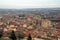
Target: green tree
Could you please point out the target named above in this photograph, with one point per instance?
(21, 36)
(29, 37)
(1, 33)
(12, 35)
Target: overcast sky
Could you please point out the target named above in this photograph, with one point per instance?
(29, 3)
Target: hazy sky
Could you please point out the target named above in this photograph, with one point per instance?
(29, 3)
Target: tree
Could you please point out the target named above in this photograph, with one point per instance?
(1, 33)
(21, 36)
(29, 37)
(12, 35)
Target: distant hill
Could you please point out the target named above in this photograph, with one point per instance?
(43, 11)
(51, 13)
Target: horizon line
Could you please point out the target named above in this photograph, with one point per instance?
(25, 8)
